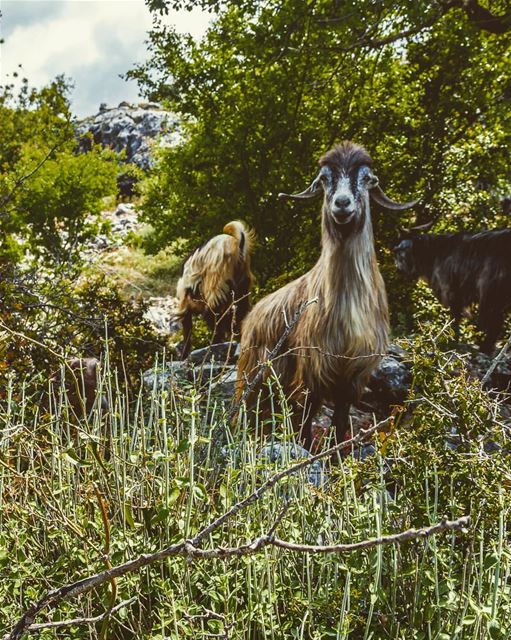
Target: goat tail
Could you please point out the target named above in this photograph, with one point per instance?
(243, 234)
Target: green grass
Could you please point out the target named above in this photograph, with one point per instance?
(166, 464)
(139, 274)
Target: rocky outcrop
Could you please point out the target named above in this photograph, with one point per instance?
(215, 367)
(389, 385)
(134, 129)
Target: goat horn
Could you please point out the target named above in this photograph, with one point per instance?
(424, 227)
(312, 191)
(379, 196)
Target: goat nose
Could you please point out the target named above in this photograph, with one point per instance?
(342, 202)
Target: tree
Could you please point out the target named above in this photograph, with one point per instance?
(270, 87)
(50, 198)
(49, 195)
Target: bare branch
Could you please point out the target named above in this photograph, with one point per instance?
(59, 624)
(495, 362)
(188, 549)
(410, 534)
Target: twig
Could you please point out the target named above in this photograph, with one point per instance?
(188, 549)
(410, 534)
(271, 356)
(77, 621)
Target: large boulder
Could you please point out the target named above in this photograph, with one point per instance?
(135, 129)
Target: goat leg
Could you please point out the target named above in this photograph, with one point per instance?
(187, 334)
(341, 420)
(491, 321)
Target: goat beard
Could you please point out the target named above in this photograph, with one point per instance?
(344, 230)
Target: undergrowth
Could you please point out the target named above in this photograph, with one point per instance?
(165, 463)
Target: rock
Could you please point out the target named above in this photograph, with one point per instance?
(222, 352)
(101, 242)
(389, 384)
(162, 377)
(226, 384)
(284, 453)
(160, 314)
(129, 128)
(396, 351)
(124, 208)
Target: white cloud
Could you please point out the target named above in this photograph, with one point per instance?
(90, 41)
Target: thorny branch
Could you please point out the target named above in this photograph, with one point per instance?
(190, 548)
(271, 356)
(495, 362)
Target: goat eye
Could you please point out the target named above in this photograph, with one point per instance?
(370, 179)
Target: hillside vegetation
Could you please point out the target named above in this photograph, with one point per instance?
(157, 511)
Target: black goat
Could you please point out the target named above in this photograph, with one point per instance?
(462, 269)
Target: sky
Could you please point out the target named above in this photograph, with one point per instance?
(89, 41)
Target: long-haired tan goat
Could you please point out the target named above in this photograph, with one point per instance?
(216, 282)
(336, 343)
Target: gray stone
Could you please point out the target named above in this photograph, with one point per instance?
(222, 352)
(162, 377)
(125, 208)
(130, 128)
(284, 453)
(396, 351)
(160, 314)
(226, 384)
(389, 383)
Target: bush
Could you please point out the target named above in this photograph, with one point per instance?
(50, 315)
(176, 479)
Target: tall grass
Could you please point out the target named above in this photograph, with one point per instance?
(166, 463)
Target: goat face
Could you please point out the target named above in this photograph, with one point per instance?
(345, 195)
(346, 180)
(404, 257)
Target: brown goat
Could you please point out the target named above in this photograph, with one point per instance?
(216, 282)
(336, 343)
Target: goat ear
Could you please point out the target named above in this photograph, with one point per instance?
(312, 191)
(378, 195)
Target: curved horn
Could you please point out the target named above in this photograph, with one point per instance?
(378, 195)
(312, 191)
(424, 227)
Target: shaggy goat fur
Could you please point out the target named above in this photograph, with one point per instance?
(338, 341)
(462, 269)
(216, 282)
